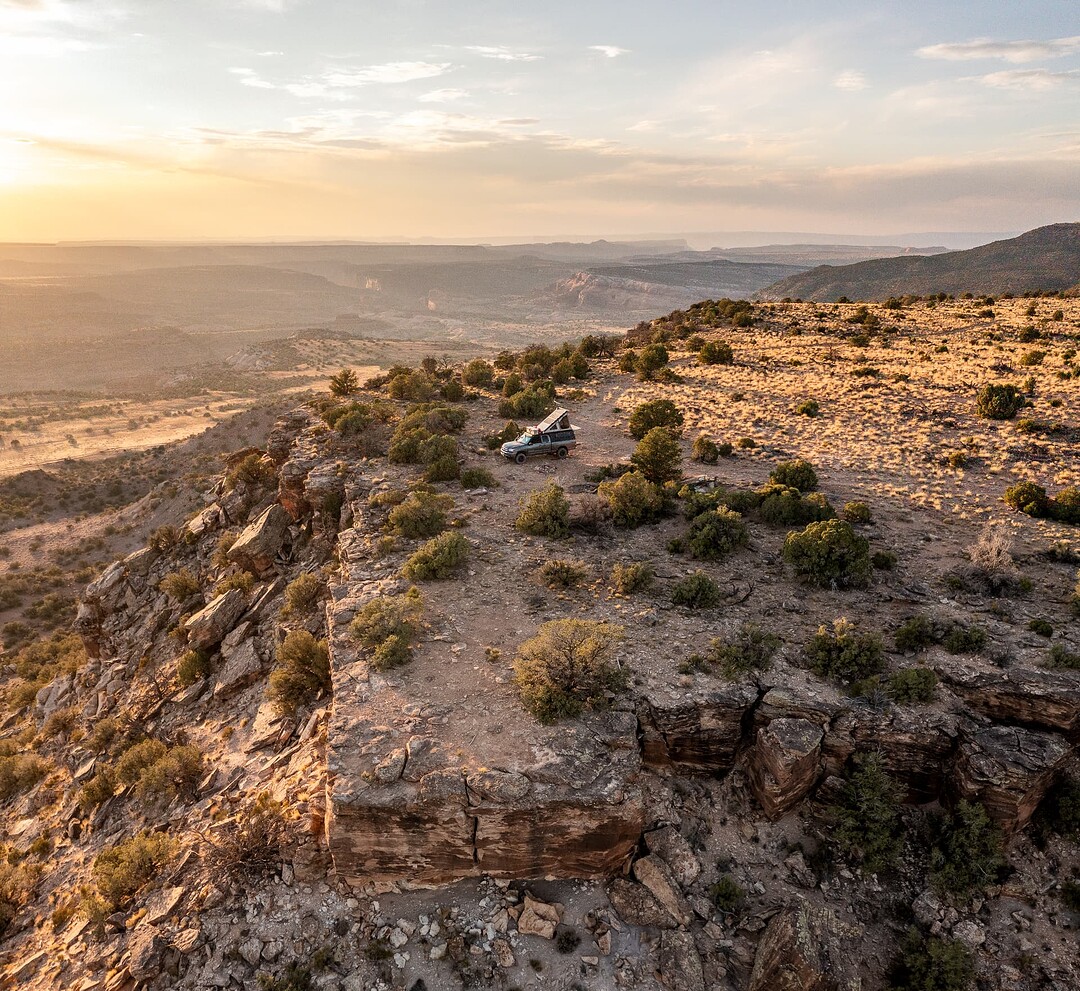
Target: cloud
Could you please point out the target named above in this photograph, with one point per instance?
(502, 54)
(1010, 51)
(269, 54)
(851, 80)
(609, 51)
(248, 77)
(1038, 80)
(387, 72)
(442, 96)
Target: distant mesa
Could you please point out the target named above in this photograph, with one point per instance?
(1047, 258)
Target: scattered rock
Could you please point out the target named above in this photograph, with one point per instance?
(538, 918)
(680, 964)
(655, 875)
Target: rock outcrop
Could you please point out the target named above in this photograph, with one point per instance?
(257, 547)
(1009, 770)
(784, 764)
(806, 948)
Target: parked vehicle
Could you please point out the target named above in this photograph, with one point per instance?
(554, 435)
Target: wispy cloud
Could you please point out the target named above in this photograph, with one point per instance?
(387, 72)
(248, 77)
(1010, 51)
(502, 54)
(609, 51)
(851, 80)
(1038, 80)
(442, 96)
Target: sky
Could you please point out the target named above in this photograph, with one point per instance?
(191, 119)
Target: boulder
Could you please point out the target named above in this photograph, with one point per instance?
(805, 948)
(670, 846)
(680, 963)
(784, 764)
(242, 667)
(659, 879)
(258, 546)
(147, 949)
(211, 624)
(1008, 769)
(635, 905)
(539, 918)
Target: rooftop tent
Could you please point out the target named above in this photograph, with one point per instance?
(558, 419)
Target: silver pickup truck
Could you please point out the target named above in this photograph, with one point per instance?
(554, 435)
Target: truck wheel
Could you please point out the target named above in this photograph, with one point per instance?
(520, 457)
(561, 452)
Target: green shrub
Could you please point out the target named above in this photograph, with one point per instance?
(1029, 498)
(883, 560)
(857, 512)
(512, 385)
(915, 634)
(650, 360)
(563, 574)
(782, 505)
(1062, 659)
(17, 885)
(478, 372)
(967, 852)
(867, 827)
(633, 499)
(725, 450)
(511, 431)
(705, 451)
(388, 626)
(19, 772)
(999, 402)
(626, 579)
(122, 871)
(345, 383)
(1031, 358)
(180, 585)
(727, 896)
(1065, 507)
(422, 514)
(845, 655)
(194, 665)
(444, 469)
(98, 790)
(829, 553)
(655, 413)
(912, 685)
(477, 478)
(960, 639)
(302, 594)
(567, 668)
(696, 591)
(175, 773)
(242, 581)
(930, 963)
(163, 539)
(530, 404)
(716, 533)
(715, 353)
(750, 649)
(809, 407)
(658, 456)
(301, 671)
(439, 558)
(545, 513)
(798, 474)
(253, 469)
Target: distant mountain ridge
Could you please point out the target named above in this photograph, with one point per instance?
(1047, 258)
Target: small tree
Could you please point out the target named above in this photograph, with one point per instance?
(633, 499)
(301, 672)
(930, 963)
(658, 456)
(867, 825)
(696, 591)
(797, 474)
(705, 451)
(716, 533)
(999, 402)
(650, 360)
(567, 668)
(829, 552)
(345, 383)
(478, 372)
(968, 852)
(655, 413)
(716, 353)
(439, 558)
(843, 654)
(545, 513)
